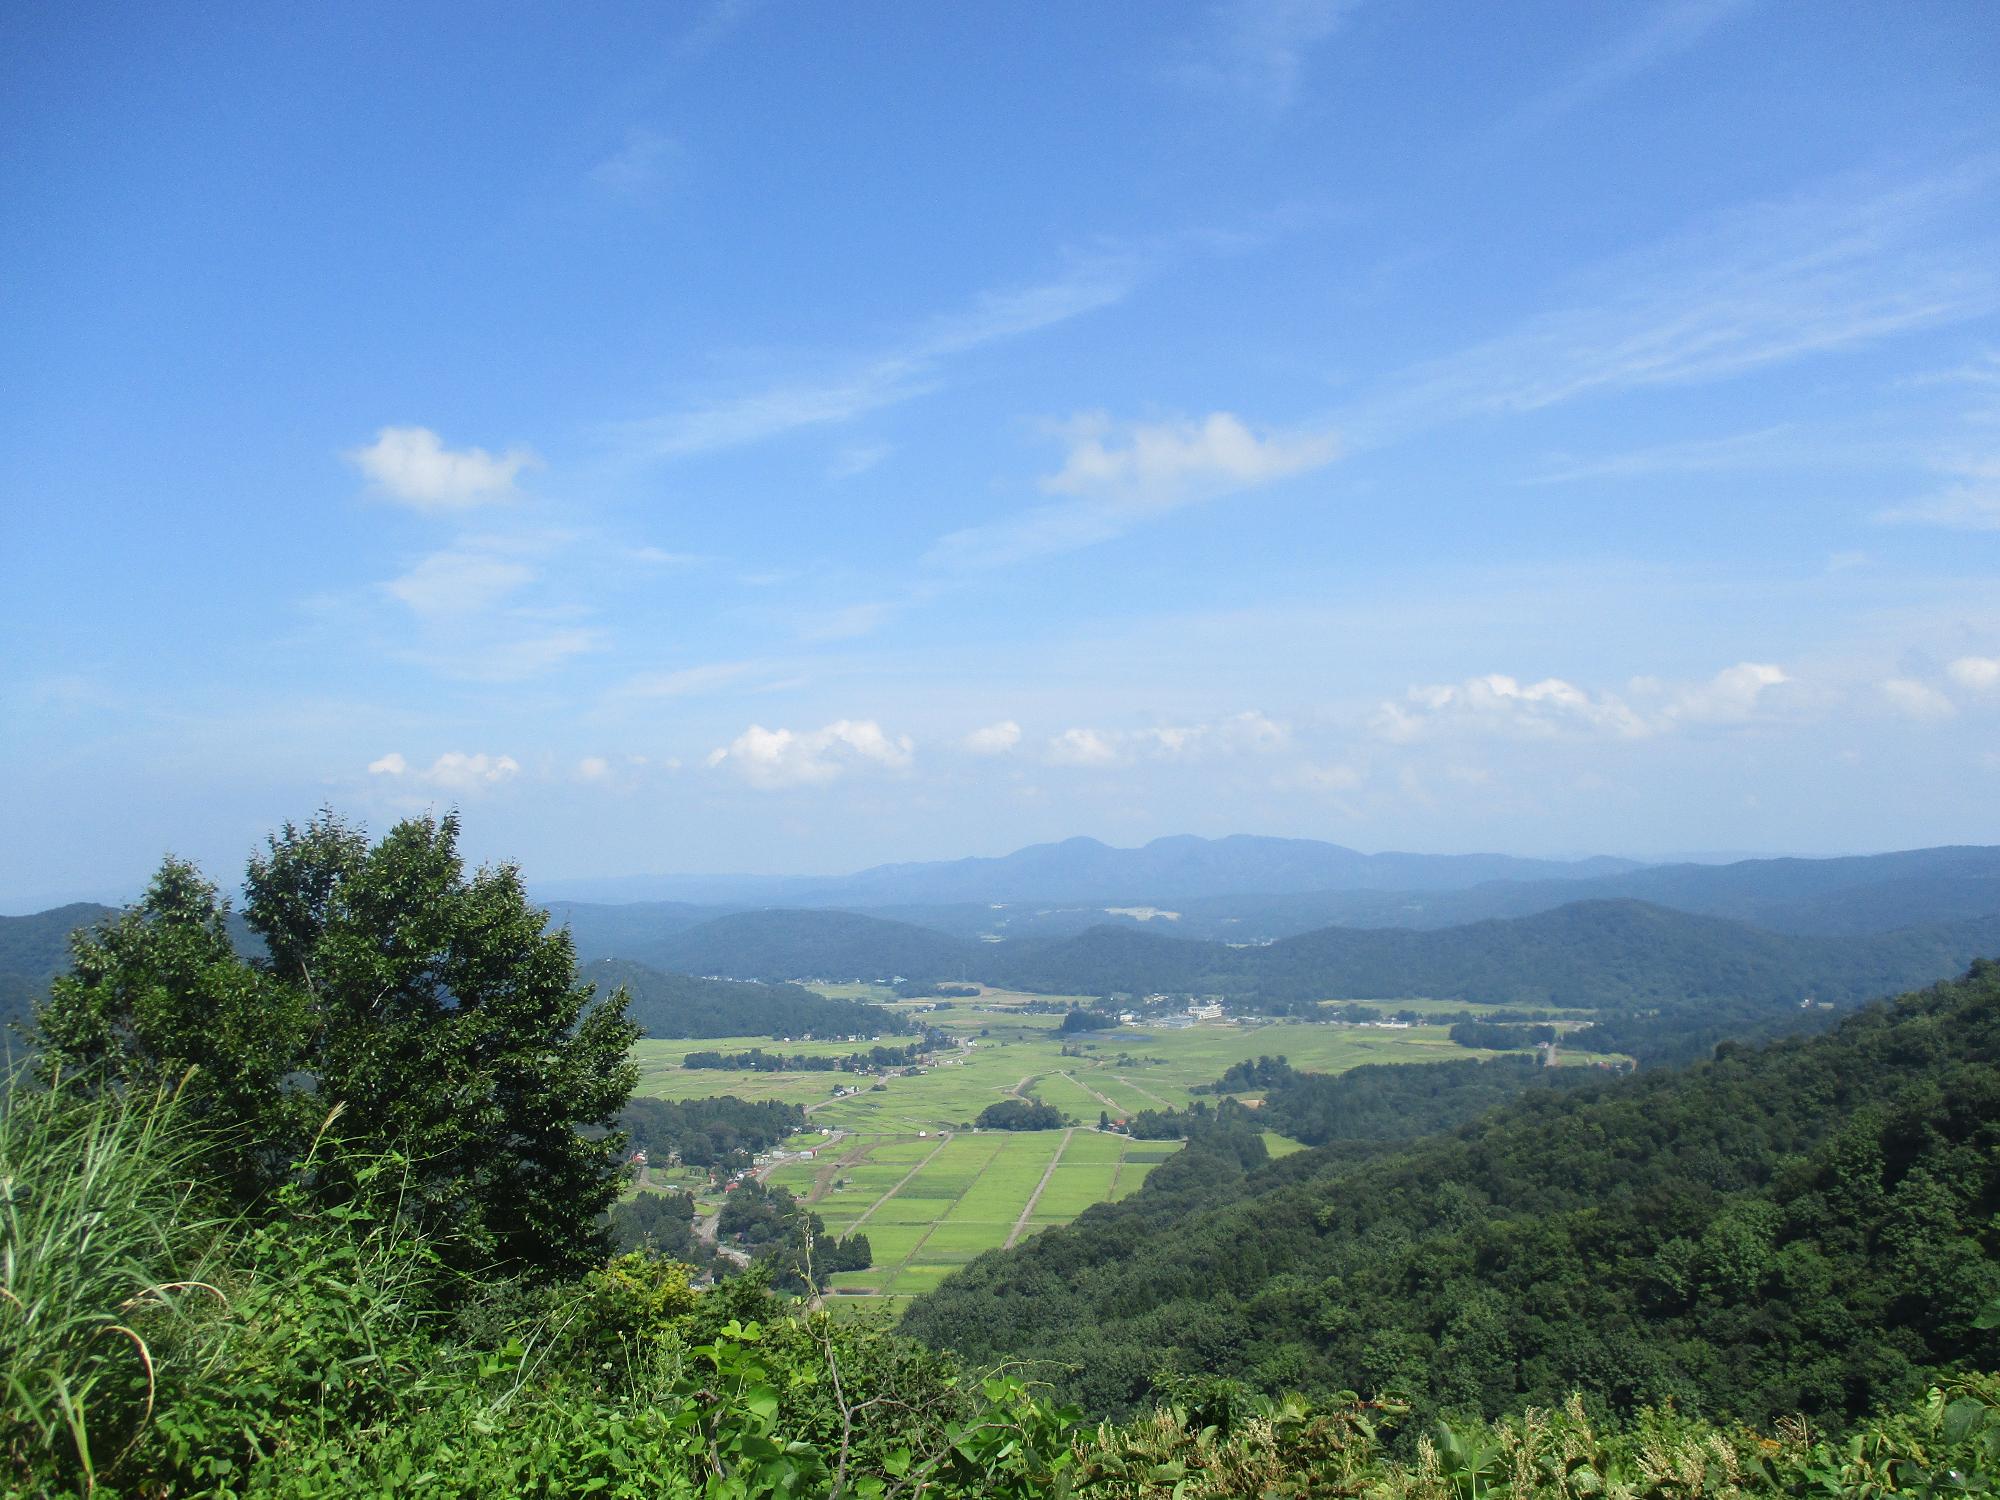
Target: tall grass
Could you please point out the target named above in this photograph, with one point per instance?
(106, 1249)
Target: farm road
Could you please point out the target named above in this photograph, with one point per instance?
(944, 1139)
(1054, 1161)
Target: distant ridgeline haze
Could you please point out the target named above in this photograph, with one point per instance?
(1670, 957)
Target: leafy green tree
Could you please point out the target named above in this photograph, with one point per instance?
(429, 1006)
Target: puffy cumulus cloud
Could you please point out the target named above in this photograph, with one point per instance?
(1917, 700)
(412, 465)
(1082, 747)
(593, 768)
(1155, 465)
(1978, 674)
(1498, 704)
(1118, 476)
(1237, 734)
(783, 757)
(454, 770)
(1504, 706)
(1729, 697)
(993, 739)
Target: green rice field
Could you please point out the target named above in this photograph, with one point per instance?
(896, 1158)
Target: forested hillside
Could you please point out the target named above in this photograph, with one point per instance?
(812, 945)
(681, 1006)
(1802, 1227)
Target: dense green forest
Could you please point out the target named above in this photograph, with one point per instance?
(679, 1006)
(757, 1060)
(722, 1133)
(813, 945)
(1799, 1228)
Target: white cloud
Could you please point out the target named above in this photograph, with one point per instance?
(1853, 263)
(893, 376)
(848, 623)
(1244, 733)
(994, 739)
(1661, 34)
(1119, 475)
(1503, 706)
(1249, 733)
(1257, 49)
(1981, 674)
(1332, 777)
(687, 681)
(1971, 503)
(454, 770)
(511, 659)
(456, 582)
(1730, 697)
(1082, 747)
(412, 464)
(1917, 700)
(856, 459)
(593, 768)
(1153, 466)
(638, 168)
(783, 757)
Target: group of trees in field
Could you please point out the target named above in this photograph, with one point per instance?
(719, 1134)
(757, 1060)
(1020, 1114)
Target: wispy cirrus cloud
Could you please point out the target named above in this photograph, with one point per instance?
(891, 376)
(1256, 51)
(1661, 34)
(641, 167)
(1968, 501)
(1855, 262)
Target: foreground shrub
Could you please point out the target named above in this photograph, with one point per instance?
(107, 1277)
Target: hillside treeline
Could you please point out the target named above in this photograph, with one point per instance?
(679, 1006)
(1800, 1228)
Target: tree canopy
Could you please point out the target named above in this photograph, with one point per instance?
(419, 1009)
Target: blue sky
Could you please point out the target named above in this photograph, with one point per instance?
(778, 437)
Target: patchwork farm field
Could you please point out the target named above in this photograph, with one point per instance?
(930, 1205)
(900, 1162)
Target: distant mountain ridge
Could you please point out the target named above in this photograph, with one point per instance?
(1086, 869)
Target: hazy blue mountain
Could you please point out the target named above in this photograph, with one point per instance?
(1853, 895)
(601, 930)
(1085, 869)
(33, 950)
